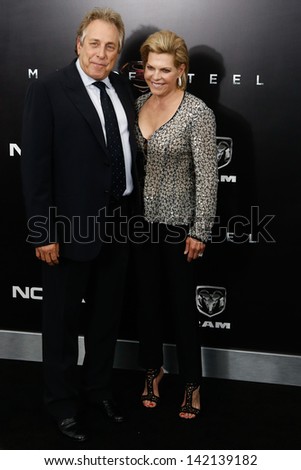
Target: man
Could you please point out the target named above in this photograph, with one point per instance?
(76, 218)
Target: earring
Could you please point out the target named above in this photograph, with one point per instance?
(179, 82)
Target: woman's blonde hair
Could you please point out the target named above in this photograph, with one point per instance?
(167, 42)
(104, 14)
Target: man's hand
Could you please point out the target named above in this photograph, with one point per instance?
(48, 253)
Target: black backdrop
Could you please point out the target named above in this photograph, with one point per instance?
(245, 63)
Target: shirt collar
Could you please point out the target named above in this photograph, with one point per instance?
(87, 80)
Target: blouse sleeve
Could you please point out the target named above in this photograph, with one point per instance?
(204, 153)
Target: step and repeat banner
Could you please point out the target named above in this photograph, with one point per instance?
(245, 64)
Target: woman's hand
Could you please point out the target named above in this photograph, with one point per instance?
(194, 249)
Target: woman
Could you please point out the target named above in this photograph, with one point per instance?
(176, 137)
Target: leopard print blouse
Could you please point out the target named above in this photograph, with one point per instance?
(180, 168)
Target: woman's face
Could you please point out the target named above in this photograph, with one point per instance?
(160, 73)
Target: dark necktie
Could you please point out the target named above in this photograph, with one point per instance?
(114, 144)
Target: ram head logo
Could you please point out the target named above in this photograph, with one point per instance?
(210, 300)
(224, 151)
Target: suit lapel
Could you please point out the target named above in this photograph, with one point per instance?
(78, 94)
(124, 97)
(120, 90)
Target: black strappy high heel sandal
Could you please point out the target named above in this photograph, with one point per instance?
(188, 408)
(150, 376)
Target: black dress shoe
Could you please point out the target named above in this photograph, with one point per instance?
(111, 411)
(71, 428)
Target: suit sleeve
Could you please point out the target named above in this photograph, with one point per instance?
(36, 163)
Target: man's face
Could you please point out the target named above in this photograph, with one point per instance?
(99, 50)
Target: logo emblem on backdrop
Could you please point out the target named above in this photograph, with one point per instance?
(134, 70)
(210, 300)
(224, 151)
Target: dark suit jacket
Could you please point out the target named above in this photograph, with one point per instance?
(66, 168)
